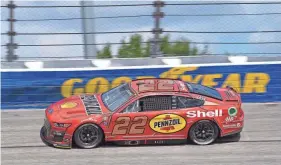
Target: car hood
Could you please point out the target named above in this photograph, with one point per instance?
(78, 106)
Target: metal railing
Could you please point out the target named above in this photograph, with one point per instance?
(156, 30)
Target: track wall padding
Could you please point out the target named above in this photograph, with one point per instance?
(38, 89)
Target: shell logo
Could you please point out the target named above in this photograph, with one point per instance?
(69, 105)
(167, 123)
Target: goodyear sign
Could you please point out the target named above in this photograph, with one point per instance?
(38, 89)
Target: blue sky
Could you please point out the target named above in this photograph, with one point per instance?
(225, 23)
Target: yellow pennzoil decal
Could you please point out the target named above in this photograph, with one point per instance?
(69, 105)
(167, 123)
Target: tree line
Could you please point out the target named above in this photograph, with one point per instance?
(137, 48)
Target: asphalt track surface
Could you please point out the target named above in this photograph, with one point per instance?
(260, 144)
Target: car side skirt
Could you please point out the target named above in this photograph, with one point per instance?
(151, 142)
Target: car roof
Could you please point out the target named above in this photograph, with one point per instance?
(158, 85)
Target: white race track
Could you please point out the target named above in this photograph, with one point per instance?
(260, 144)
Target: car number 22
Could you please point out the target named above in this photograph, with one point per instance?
(123, 126)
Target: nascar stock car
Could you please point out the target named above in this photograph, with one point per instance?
(146, 111)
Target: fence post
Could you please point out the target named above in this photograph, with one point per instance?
(157, 30)
(11, 46)
(88, 26)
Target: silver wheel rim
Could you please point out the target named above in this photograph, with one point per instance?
(204, 132)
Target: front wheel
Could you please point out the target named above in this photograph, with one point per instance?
(203, 132)
(88, 136)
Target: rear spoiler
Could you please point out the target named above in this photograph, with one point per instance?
(230, 88)
(232, 94)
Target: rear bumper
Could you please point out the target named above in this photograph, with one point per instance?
(233, 132)
(50, 142)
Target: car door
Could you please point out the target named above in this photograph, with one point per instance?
(150, 117)
(129, 123)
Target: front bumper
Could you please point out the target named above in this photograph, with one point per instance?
(51, 143)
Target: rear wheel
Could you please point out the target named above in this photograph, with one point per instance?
(203, 132)
(88, 136)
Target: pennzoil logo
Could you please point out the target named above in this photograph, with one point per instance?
(69, 105)
(167, 123)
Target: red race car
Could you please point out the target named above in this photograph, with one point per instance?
(147, 111)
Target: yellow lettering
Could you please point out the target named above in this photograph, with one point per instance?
(256, 82)
(188, 78)
(67, 87)
(208, 80)
(176, 72)
(116, 82)
(97, 85)
(234, 81)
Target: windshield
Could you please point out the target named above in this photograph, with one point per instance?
(203, 90)
(115, 97)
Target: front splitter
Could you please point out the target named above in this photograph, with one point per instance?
(50, 143)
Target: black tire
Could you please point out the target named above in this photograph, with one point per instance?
(88, 136)
(203, 132)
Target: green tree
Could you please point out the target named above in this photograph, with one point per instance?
(180, 47)
(105, 52)
(205, 50)
(194, 51)
(123, 50)
(165, 46)
(135, 48)
(147, 48)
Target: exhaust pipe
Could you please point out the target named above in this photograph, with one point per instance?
(133, 142)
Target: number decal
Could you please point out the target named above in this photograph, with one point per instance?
(138, 126)
(166, 85)
(122, 125)
(146, 86)
(149, 85)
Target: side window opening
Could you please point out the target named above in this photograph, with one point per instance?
(156, 103)
(151, 103)
(133, 107)
(185, 102)
(163, 102)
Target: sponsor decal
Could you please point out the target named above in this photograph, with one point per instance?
(167, 123)
(209, 103)
(201, 98)
(69, 105)
(182, 86)
(229, 119)
(50, 111)
(236, 125)
(104, 120)
(157, 141)
(89, 119)
(232, 111)
(199, 113)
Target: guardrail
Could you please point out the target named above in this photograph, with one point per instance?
(128, 62)
(27, 88)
